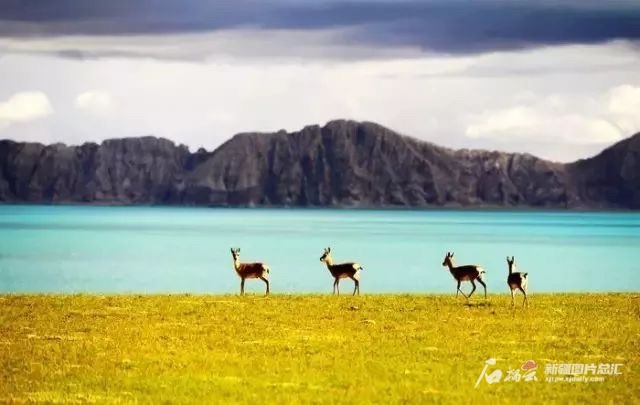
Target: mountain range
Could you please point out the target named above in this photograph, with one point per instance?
(342, 164)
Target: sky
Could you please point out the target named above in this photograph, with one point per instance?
(557, 79)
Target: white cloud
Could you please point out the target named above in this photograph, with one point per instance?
(624, 106)
(224, 45)
(565, 102)
(95, 101)
(500, 122)
(537, 124)
(575, 119)
(23, 107)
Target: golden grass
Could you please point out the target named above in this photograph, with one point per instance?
(310, 348)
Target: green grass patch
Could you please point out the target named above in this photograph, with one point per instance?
(310, 348)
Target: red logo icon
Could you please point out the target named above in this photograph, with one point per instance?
(529, 365)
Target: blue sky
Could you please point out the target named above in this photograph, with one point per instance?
(554, 78)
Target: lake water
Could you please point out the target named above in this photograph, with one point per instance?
(59, 249)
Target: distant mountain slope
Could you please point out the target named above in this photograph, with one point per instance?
(612, 178)
(344, 163)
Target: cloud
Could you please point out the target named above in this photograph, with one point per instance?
(563, 60)
(563, 118)
(532, 124)
(247, 44)
(24, 107)
(624, 106)
(443, 26)
(95, 101)
(433, 97)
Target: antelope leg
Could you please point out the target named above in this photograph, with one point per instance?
(485, 288)
(472, 290)
(356, 286)
(525, 297)
(267, 283)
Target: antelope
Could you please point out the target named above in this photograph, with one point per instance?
(469, 273)
(516, 280)
(249, 270)
(342, 270)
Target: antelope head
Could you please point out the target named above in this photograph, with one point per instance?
(326, 255)
(235, 253)
(448, 260)
(512, 263)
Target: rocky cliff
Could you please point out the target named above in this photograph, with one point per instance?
(344, 163)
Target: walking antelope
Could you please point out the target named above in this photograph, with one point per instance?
(469, 273)
(342, 270)
(249, 270)
(517, 280)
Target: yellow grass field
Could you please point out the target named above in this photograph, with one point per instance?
(311, 348)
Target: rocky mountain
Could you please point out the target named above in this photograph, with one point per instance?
(610, 179)
(344, 163)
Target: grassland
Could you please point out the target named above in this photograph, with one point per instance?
(373, 348)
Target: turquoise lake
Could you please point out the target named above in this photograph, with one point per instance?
(65, 249)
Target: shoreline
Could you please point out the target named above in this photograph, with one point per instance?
(347, 208)
(312, 295)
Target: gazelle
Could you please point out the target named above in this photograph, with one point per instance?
(469, 273)
(249, 270)
(517, 280)
(342, 270)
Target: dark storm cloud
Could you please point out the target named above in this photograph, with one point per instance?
(436, 25)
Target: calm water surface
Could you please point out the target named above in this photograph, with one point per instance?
(155, 250)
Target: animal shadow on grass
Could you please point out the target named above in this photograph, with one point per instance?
(477, 304)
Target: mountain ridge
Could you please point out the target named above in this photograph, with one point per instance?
(343, 163)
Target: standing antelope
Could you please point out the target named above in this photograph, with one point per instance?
(342, 270)
(516, 280)
(249, 270)
(465, 273)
